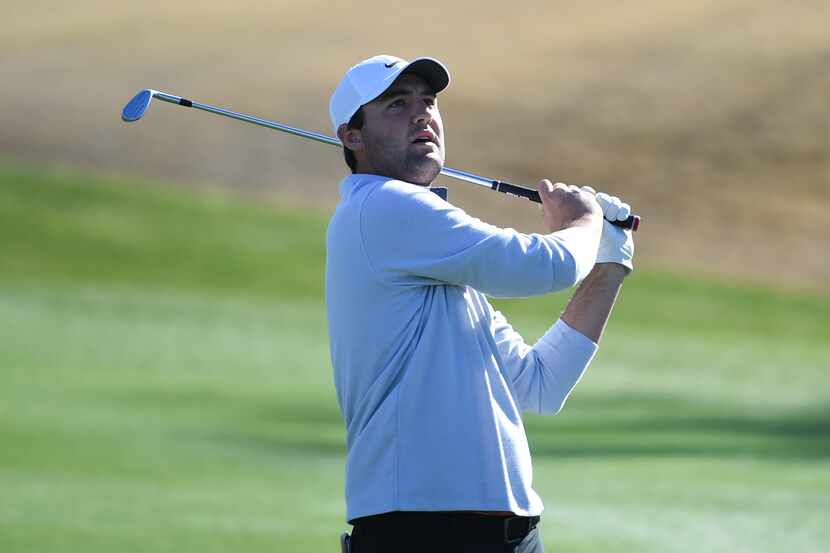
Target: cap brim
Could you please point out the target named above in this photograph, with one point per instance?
(431, 70)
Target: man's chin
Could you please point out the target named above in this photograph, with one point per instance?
(425, 169)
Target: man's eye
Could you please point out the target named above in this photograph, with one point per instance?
(396, 103)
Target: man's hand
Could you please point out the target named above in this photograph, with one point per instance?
(616, 244)
(568, 206)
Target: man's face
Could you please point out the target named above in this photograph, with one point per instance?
(402, 135)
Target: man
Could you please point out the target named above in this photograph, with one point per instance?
(431, 380)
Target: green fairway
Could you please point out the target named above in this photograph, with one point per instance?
(165, 386)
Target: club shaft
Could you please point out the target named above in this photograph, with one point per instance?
(632, 222)
(247, 118)
(455, 173)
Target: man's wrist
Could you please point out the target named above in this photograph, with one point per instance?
(614, 272)
(591, 305)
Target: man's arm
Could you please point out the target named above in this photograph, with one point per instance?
(410, 237)
(591, 304)
(544, 376)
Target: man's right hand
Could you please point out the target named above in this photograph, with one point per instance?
(567, 206)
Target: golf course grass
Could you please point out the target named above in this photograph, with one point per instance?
(165, 386)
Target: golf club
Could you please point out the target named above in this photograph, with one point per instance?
(136, 108)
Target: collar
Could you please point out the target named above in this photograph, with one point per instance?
(352, 182)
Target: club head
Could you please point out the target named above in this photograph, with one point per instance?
(136, 107)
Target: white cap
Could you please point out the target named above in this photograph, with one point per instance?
(370, 78)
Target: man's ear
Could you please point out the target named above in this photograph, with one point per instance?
(351, 138)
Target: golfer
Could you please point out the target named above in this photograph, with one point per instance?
(430, 379)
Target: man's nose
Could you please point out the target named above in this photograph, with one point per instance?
(422, 115)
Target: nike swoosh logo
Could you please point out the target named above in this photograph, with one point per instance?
(390, 65)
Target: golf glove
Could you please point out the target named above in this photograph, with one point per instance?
(616, 244)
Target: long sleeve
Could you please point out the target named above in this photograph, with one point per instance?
(542, 376)
(410, 232)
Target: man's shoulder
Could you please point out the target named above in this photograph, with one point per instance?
(379, 194)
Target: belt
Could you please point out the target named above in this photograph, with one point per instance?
(484, 528)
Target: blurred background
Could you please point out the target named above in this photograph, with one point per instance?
(165, 382)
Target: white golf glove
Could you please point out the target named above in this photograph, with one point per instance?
(616, 244)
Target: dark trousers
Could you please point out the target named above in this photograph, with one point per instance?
(445, 532)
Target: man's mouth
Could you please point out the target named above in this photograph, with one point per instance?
(425, 137)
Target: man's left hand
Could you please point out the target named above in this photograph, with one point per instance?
(616, 244)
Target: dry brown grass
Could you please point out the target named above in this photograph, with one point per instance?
(710, 117)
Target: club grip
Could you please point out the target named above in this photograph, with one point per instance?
(632, 223)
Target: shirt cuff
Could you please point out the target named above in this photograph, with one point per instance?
(583, 246)
(568, 350)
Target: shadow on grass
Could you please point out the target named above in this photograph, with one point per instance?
(653, 426)
(628, 425)
(631, 426)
